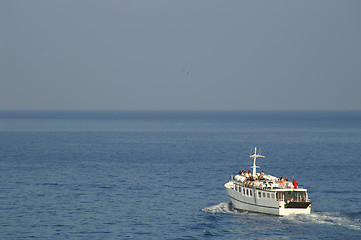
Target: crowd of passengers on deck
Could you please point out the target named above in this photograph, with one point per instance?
(262, 183)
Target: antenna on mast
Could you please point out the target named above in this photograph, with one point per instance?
(255, 156)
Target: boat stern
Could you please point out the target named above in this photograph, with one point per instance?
(294, 208)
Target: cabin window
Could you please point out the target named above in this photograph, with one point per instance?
(250, 192)
(268, 195)
(296, 196)
(279, 196)
(244, 192)
(272, 195)
(259, 194)
(247, 192)
(264, 195)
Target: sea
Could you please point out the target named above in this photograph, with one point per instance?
(161, 174)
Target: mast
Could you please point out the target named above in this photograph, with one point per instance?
(255, 156)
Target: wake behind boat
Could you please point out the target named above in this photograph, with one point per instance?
(259, 192)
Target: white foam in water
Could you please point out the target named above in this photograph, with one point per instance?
(326, 218)
(223, 207)
(335, 219)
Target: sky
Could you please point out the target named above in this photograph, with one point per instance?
(132, 55)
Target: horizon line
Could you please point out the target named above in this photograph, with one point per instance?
(186, 110)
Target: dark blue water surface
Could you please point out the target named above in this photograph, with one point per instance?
(160, 175)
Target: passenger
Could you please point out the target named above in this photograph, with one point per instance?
(261, 175)
(282, 180)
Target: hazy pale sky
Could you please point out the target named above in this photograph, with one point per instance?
(130, 55)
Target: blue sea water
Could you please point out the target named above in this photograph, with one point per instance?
(160, 175)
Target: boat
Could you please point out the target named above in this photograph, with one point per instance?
(264, 193)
